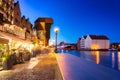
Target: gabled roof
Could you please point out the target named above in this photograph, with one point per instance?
(47, 20)
(84, 37)
(101, 37)
(79, 39)
(17, 5)
(23, 17)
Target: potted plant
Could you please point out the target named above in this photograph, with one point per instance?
(6, 61)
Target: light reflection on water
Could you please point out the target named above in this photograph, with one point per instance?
(119, 60)
(107, 58)
(97, 56)
(113, 60)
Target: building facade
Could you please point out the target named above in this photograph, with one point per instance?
(115, 46)
(7, 11)
(17, 14)
(82, 45)
(16, 32)
(26, 25)
(42, 28)
(96, 42)
(12, 22)
(16, 29)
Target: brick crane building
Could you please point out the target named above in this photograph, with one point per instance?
(42, 27)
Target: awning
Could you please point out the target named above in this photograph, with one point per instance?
(11, 36)
(3, 41)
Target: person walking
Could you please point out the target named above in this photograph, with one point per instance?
(21, 56)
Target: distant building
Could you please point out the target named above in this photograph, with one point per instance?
(78, 44)
(115, 46)
(82, 45)
(96, 42)
(42, 28)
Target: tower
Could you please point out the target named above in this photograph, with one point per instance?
(42, 26)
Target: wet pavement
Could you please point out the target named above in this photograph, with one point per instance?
(41, 67)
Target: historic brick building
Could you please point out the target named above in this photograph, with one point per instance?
(12, 22)
(29, 30)
(16, 32)
(42, 27)
(17, 14)
(7, 11)
(23, 22)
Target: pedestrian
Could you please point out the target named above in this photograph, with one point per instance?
(21, 55)
(14, 57)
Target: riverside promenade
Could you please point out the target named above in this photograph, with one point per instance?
(41, 67)
(75, 68)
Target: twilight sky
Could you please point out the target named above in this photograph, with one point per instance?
(76, 18)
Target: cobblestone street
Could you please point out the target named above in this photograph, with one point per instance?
(41, 67)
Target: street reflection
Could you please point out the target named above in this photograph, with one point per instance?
(97, 57)
(96, 54)
(113, 59)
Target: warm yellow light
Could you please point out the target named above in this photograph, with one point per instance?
(56, 29)
(119, 60)
(25, 45)
(36, 44)
(97, 57)
(17, 45)
(95, 47)
(119, 45)
(4, 59)
(0, 2)
(51, 44)
(10, 41)
(31, 46)
(52, 54)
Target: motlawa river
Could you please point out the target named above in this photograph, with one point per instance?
(109, 59)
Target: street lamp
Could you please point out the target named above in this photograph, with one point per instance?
(56, 32)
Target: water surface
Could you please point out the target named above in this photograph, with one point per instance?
(109, 59)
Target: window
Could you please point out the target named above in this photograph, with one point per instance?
(16, 20)
(0, 3)
(17, 13)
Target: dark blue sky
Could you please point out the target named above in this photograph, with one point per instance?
(76, 18)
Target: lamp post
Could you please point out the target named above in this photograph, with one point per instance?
(56, 33)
